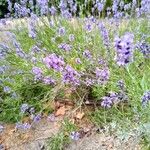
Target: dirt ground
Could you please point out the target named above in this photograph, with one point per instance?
(32, 139)
(37, 137)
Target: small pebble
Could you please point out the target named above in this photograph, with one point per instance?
(1, 147)
(1, 128)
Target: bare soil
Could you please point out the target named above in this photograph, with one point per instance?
(38, 136)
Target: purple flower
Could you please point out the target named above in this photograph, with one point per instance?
(21, 10)
(145, 49)
(3, 21)
(146, 98)
(35, 49)
(88, 27)
(124, 49)
(99, 6)
(48, 80)
(121, 85)
(71, 37)
(4, 50)
(23, 126)
(89, 82)
(75, 135)
(51, 118)
(87, 54)
(92, 19)
(127, 7)
(53, 10)
(134, 3)
(115, 97)
(78, 61)
(32, 26)
(115, 6)
(106, 102)
(55, 62)
(70, 76)
(74, 8)
(61, 31)
(19, 51)
(145, 7)
(98, 72)
(7, 89)
(34, 60)
(122, 96)
(24, 108)
(102, 75)
(66, 14)
(65, 47)
(62, 5)
(105, 35)
(52, 24)
(37, 72)
(9, 5)
(37, 118)
(43, 6)
(101, 61)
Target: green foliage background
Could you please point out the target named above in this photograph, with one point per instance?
(3, 8)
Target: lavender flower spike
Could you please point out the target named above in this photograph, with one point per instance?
(71, 76)
(146, 98)
(107, 102)
(37, 72)
(23, 126)
(37, 118)
(75, 135)
(124, 49)
(24, 107)
(55, 62)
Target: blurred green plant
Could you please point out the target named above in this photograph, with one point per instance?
(3, 8)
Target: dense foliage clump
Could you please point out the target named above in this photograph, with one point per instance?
(100, 55)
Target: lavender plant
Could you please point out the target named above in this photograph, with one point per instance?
(100, 59)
